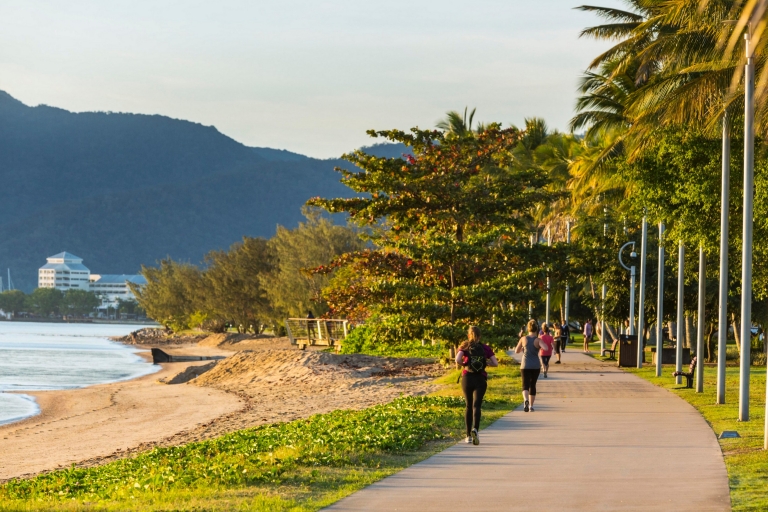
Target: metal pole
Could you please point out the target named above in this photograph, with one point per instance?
(567, 286)
(604, 292)
(632, 300)
(700, 327)
(660, 303)
(549, 244)
(722, 317)
(641, 311)
(746, 254)
(680, 304)
(602, 322)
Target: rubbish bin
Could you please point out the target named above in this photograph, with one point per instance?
(628, 350)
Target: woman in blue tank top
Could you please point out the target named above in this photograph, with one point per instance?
(530, 364)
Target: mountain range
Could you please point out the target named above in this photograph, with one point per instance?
(121, 190)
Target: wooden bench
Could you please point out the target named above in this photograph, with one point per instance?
(689, 375)
(611, 351)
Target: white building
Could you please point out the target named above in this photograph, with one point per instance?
(64, 271)
(112, 287)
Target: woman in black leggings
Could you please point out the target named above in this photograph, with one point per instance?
(474, 357)
(530, 364)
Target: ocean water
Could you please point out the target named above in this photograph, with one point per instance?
(40, 356)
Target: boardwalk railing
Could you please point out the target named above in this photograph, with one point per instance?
(305, 332)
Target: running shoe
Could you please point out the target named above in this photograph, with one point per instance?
(526, 406)
(475, 437)
(468, 440)
(557, 362)
(531, 408)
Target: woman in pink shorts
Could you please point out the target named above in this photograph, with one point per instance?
(546, 354)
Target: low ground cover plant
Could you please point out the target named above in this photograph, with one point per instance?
(299, 465)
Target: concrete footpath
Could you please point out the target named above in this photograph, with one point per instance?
(600, 439)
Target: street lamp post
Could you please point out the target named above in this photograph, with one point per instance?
(603, 294)
(660, 303)
(567, 286)
(631, 285)
(722, 316)
(641, 311)
(746, 258)
(549, 292)
(680, 311)
(700, 326)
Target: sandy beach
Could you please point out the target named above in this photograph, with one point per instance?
(262, 381)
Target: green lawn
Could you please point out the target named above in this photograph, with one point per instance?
(745, 458)
(302, 465)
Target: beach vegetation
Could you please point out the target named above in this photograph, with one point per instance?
(299, 465)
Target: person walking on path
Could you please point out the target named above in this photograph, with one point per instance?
(474, 357)
(559, 341)
(530, 365)
(587, 335)
(546, 353)
(565, 333)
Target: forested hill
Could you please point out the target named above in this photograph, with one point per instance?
(121, 190)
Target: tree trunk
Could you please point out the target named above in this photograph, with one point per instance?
(710, 338)
(652, 336)
(690, 332)
(736, 332)
(610, 331)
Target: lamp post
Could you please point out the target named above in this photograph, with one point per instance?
(549, 292)
(660, 303)
(700, 326)
(602, 296)
(641, 312)
(631, 269)
(680, 311)
(722, 316)
(746, 258)
(567, 286)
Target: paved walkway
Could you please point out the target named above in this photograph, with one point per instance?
(600, 439)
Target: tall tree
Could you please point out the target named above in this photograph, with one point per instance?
(292, 289)
(449, 225)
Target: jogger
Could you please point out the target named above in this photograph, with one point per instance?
(530, 365)
(546, 353)
(474, 357)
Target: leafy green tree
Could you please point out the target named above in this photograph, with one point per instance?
(45, 301)
(450, 229)
(79, 302)
(129, 307)
(232, 283)
(13, 301)
(172, 293)
(291, 288)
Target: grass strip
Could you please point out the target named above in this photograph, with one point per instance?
(299, 465)
(745, 459)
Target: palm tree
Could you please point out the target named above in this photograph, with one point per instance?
(457, 125)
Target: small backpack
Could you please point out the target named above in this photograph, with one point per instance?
(476, 360)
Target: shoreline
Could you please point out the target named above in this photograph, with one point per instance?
(83, 426)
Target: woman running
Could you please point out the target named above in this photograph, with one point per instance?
(474, 357)
(546, 354)
(530, 366)
(559, 345)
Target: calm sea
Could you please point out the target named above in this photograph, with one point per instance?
(38, 356)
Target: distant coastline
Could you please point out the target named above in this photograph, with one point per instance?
(147, 322)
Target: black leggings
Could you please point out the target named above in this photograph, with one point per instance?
(473, 385)
(529, 380)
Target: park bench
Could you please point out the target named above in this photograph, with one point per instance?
(304, 332)
(611, 352)
(689, 375)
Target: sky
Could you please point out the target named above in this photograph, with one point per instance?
(310, 76)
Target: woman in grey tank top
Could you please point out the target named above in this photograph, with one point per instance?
(530, 365)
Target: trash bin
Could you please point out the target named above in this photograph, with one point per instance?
(628, 350)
